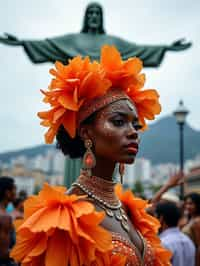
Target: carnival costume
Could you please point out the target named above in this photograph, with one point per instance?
(61, 229)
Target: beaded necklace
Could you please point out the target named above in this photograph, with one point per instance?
(103, 193)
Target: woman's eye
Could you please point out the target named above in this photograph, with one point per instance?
(118, 122)
(137, 126)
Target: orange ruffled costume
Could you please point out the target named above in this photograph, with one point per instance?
(61, 229)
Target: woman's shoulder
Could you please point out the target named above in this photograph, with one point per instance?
(192, 224)
(196, 221)
(195, 227)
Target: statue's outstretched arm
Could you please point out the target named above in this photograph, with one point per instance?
(10, 39)
(39, 51)
(179, 45)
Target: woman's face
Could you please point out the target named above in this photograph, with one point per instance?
(115, 132)
(190, 206)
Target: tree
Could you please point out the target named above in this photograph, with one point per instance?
(138, 188)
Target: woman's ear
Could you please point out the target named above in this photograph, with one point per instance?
(85, 132)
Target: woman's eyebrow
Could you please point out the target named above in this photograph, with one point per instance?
(117, 112)
(124, 114)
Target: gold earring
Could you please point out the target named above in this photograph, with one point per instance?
(89, 160)
(121, 171)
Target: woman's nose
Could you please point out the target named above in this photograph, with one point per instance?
(132, 132)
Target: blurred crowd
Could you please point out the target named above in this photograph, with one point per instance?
(179, 221)
(11, 209)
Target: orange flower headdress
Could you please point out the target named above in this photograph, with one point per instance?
(83, 87)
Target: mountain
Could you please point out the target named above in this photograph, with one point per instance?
(160, 143)
(28, 152)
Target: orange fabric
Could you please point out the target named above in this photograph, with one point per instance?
(81, 80)
(146, 224)
(59, 229)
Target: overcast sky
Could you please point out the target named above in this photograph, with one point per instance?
(142, 22)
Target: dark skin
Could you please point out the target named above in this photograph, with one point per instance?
(10, 196)
(5, 229)
(190, 207)
(115, 127)
(6, 225)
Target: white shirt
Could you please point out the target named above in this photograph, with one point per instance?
(180, 245)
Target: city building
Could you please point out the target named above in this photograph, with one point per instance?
(23, 178)
(193, 180)
(140, 170)
(192, 171)
(161, 172)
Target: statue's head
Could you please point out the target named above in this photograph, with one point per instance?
(93, 19)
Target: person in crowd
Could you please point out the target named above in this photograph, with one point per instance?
(22, 194)
(7, 192)
(97, 110)
(18, 212)
(7, 235)
(192, 228)
(172, 238)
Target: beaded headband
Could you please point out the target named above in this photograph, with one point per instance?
(83, 87)
(97, 103)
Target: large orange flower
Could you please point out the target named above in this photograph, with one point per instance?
(73, 84)
(126, 75)
(145, 223)
(81, 80)
(146, 102)
(60, 229)
(121, 73)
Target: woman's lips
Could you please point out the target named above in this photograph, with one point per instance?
(132, 148)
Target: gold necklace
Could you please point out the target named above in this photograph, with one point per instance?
(102, 192)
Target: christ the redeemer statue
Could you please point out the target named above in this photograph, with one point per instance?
(89, 42)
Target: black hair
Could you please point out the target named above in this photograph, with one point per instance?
(195, 197)
(74, 147)
(170, 213)
(17, 201)
(85, 28)
(6, 183)
(22, 194)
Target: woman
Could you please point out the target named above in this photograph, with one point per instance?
(192, 229)
(96, 112)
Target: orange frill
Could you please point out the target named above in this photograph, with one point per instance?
(146, 224)
(61, 229)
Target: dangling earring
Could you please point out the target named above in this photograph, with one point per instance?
(89, 160)
(121, 171)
